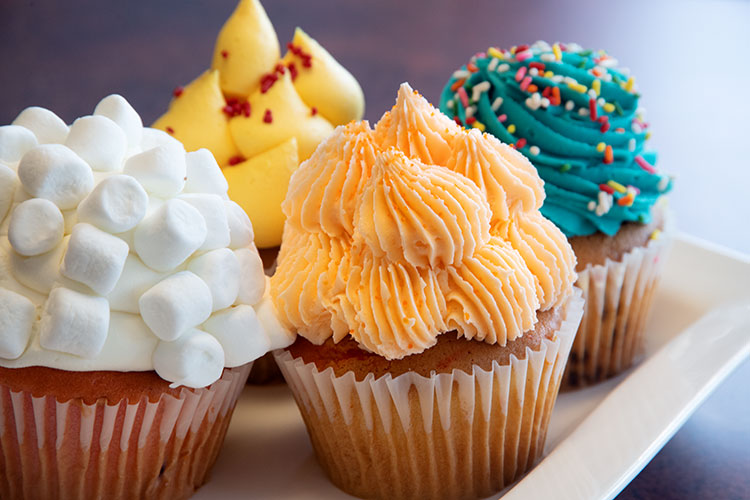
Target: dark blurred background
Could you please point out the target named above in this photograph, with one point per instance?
(690, 59)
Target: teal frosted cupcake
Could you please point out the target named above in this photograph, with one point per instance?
(576, 116)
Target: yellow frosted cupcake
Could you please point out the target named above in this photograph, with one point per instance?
(434, 305)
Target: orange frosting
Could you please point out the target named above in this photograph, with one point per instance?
(418, 227)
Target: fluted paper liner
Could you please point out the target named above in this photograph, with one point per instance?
(450, 435)
(143, 449)
(618, 299)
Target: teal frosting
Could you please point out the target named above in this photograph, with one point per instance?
(559, 136)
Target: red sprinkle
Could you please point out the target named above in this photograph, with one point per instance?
(177, 92)
(472, 67)
(224, 54)
(280, 68)
(538, 65)
(292, 70)
(592, 109)
(502, 118)
(457, 120)
(267, 81)
(645, 165)
(268, 116)
(170, 130)
(520, 143)
(555, 101)
(470, 120)
(234, 160)
(547, 91)
(236, 107)
(604, 127)
(246, 109)
(606, 188)
(313, 111)
(521, 48)
(608, 155)
(306, 61)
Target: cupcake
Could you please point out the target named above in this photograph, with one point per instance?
(575, 115)
(132, 304)
(261, 115)
(434, 305)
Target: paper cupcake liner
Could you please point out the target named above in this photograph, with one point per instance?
(618, 299)
(146, 449)
(450, 435)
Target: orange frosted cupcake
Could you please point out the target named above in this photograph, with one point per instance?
(434, 305)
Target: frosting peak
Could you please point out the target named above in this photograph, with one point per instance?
(397, 235)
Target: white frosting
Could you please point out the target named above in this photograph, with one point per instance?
(119, 251)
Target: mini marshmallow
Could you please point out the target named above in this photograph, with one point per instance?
(56, 173)
(176, 304)
(240, 227)
(168, 236)
(41, 271)
(240, 334)
(36, 227)
(117, 109)
(194, 360)
(8, 181)
(204, 174)
(152, 137)
(94, 258)
(116, 204)
(74, 323)
(278, 335)
(252, 277)
(161, 170)
(17, 314)
(99, 141)
(15, 141)
(212, 209)
(46, 125)
(135, 279)
(220, 269)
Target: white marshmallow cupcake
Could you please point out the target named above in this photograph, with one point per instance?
(129, 289)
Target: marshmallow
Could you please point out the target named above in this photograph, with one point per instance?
(194, 360)
(36, 227)
(135, 279)
(94, 258)
(252, 277)
(240, 227)
(99, 141)
(152, 137)
(41, 271)
(212, 209)
(46, 125)
(56, 173)
(117, 109)
(17, 314)
(168, 236)
(116, 204)
(278, 335)
(7, 189)
(204, 174)
(161, 170)
(240, 334)
(176, 304)
(15, 141)
(74, 323)
(220, 269)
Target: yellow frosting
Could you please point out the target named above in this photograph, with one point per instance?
(252, 102)
(418, 227)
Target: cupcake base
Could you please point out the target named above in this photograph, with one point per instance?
(457, 434)
(618, 287)
(158, 446)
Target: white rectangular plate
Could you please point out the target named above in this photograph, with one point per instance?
(599, 438)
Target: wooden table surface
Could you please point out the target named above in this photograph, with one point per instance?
(690, 59)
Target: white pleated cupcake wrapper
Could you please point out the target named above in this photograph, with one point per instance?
(162, 449)
(450, 435)
(618, 299)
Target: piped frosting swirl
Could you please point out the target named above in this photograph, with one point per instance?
(415, 228)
